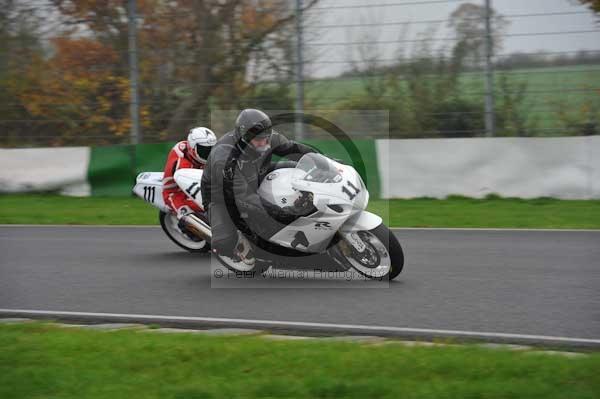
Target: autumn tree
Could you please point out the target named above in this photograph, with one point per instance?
(193, 53)
(19, 44)
(76, 93)
(220, 45)
(64, 67)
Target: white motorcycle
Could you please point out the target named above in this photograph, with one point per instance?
(335, 223)
(149, 187)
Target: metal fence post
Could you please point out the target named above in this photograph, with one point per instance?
(299, 73)
(490, 124)
(133, 75)
(135, 135)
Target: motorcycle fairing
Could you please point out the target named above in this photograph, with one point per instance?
(340, 198)
(189, 181)
(361, 221)
(317, 229)
(149, 187)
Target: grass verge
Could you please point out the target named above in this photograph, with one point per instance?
(453, 212)
(42, 360)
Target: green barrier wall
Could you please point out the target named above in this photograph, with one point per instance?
(112, 172)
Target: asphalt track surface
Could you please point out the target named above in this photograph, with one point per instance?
(516, 282)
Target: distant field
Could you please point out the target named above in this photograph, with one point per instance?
(453, 212)
(550, 90)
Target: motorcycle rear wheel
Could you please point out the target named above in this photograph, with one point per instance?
(168, 222)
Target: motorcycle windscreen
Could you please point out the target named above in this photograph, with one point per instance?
(318, 169)
(328, 179)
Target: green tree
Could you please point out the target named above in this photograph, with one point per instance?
(468, 24)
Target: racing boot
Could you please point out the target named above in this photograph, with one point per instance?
(243, 250)
(240, 257)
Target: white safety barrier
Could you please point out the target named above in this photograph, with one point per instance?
(562, 167)
(45, 169)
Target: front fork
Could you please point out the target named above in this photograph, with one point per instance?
(354, 240)
(349, 244)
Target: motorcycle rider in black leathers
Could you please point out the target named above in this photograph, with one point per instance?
(234, 170)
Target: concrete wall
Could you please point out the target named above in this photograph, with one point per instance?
(563, 167)
(45, 169)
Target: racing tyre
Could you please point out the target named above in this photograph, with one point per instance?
(168, 222)
(383, 257)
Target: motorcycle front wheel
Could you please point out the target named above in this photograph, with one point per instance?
(382, 258)
(168, 222)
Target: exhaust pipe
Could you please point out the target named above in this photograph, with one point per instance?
(197, 226)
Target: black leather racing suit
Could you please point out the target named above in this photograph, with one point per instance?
(230, 188)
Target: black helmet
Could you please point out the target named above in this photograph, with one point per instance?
(252, 123)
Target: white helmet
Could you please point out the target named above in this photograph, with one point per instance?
(200, 141)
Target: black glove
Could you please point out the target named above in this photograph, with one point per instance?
(285, 215)
(302, 206)
(304, 203)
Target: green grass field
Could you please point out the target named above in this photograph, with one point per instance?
(453, 212)
(570, 90)
(45, 361)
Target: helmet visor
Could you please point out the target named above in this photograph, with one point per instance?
(203, 151)
(259, 131)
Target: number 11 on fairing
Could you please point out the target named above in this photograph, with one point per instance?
(350, 194)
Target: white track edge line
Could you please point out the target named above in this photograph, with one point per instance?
(276, 323)
(141, 226)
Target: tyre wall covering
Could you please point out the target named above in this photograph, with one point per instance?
(563, 167)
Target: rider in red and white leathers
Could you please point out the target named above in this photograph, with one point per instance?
(191, 153)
